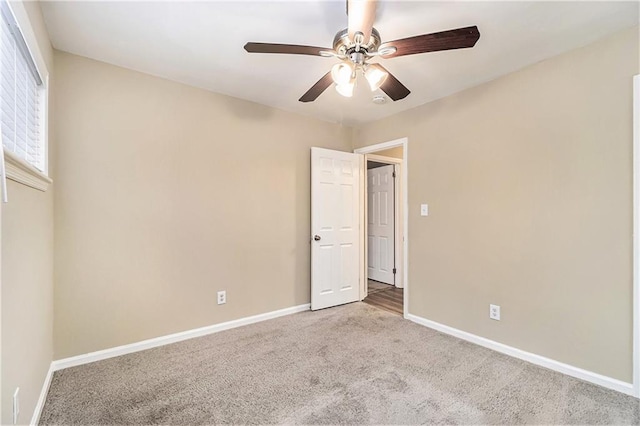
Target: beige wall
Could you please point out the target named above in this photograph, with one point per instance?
(391, 152)
(167, 194)
(529, 183)
(27, 275)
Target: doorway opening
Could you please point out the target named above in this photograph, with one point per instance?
(384, 199)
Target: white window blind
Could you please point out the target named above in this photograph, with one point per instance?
(20, 95)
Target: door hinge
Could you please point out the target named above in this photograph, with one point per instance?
(393, 174)
(394, 270)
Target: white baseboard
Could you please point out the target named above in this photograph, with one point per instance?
(172, 338)
(598, 379)
(43, 397)
(579, 373)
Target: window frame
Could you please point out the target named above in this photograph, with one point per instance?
(18, 169)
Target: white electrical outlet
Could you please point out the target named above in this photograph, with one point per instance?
(16, 405)
(424, 209)
(222, 297)
(494, 312)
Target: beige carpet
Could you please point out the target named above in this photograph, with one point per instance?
(351, 364)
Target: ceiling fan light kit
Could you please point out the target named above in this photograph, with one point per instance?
(360, 42)
(375, 75)
(342, 73)
(344, 76)
(346, 90)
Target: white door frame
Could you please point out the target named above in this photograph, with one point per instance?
(636, 237)
(398, 219)
(403, 201)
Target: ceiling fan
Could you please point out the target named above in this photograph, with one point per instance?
(356, 45)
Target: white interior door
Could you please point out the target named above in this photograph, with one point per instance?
(335, 244)
(380, 224)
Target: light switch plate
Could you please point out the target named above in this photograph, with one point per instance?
(424, 210)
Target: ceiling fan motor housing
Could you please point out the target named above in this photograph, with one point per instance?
(343, 45)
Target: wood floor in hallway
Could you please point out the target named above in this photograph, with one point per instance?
(385, 296)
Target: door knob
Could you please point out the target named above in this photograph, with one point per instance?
(317, 237)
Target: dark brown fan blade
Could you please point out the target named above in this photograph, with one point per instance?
(292, 49)
(317, 89)
(445, 40)
(393, 88)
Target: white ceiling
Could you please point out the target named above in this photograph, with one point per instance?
(201, 44)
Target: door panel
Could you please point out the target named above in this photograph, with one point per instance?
(335, 245)
(381, 226)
